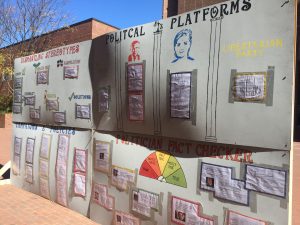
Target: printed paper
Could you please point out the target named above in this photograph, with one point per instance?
(63, 149)
(80, 184)
(122, 218)
(42, 77)
(249, 87)
(45, 146)
(34, 113)
(135, 77)
(121, 177)
(29, 150)
(17, 109)
(59, 117)
(180, 207)
(198, 220)
(52, 105)
(44, 188)
(103, 95)
(17, 96)
(71, 72)
(29, 100)
(80, 160)
(16, 165)
(18, 145)
(180, 95)
(83, 111)
(266, 180)
(136, 107)
(102, 156)
(18, 82)
(239, 219)
(44, 168)
(61, 192)
(143, 201)
(101, 197)
(29, 173)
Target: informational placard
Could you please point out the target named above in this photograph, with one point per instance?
(101, 197)
(35, 114)
(122, 177)
(42, 75)
(102, 157)
(45, 146)
(59, 117)
(30, 145)
(180, 88)
(83, 111)
(122, 218)
(80, 171)
(234, 218)
(29, 173)
(135, 107)
(44, 187)
(219, 180)
(135, 77)
(266, 180)
(71, 72)
(29, 100)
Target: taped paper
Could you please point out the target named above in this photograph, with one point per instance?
(44, 168)
(44, 188)
(52, 104)
(35, 114)
(42, 76)
(136, 107)
(61, 192)
(102, 156)
(234, 218)
(122, 218)
(100, 196)
(28, 173)
(45, 146)
(135, 77)
(29, 150)
(71, 72)
(122, 177)
(80, 160)
(80, 184)
(83, 111)
(17, 145)
(180, 102)
(29, 100)
(59, 117)
(265, 180)
(144, 201)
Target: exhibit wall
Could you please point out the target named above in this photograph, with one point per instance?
(183, 121)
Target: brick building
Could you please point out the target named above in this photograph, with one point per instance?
(81, 31)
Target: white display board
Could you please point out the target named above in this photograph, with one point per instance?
(54, 87)
(221, 74)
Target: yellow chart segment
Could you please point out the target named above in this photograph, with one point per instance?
(162, 160)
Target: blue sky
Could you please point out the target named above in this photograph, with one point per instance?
(119, 13)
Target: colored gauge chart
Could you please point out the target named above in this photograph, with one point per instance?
(163, 167)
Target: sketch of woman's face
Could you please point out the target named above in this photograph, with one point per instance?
(182, 46)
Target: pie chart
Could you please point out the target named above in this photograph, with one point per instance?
(163, 167)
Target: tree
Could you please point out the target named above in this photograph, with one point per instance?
(22, 28)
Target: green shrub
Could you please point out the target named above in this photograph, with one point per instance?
(5, 103)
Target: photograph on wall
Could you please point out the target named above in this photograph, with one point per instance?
(101, 197)
(135, 107)
(135, 80)
(234, 218)
(103, 99)
(122, 218)
(18, 96)
(29, 100)
(59, 117)
(45, 146)
(17, 109)
(35, 114)
(180, 95)
(42, 76)
(122, 177)
(102, 156)
(30, 144)
(71, 72)
(82, 111)
(144, 201)
(266, 180)
(18, 82)
(250, 87)
(218, 179)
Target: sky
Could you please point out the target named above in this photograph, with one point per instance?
(119, 13)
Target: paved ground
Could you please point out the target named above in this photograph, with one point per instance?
(5, 140)
(18, 207)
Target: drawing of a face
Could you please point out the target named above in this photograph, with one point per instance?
(134, 51)
(182, 45)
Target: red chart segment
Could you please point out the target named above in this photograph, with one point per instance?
(147, 171)
(152, 160)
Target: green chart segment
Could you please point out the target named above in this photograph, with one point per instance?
(163, 167)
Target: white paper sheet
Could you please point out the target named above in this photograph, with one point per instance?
(29, 150)
(45, 146)
(80, 160)
(249, 87)
(266, 180)
(181, 207)
(238, 219)
(197, 220)
(136, 107)
(83, 111)
(59, 117)
(122, 218)
(180, 95)
(141, 209)
(148, 198)
(101, 197)
(42, 77)
(44, 168)
(135, 77)
(44, 188)
(16, 165)
(71, 72)
(121, 177)
(63, 149)
(18, 145)
(29, 173)
(102, 156)
(80, 184)
(61, 192)
(103, 95)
